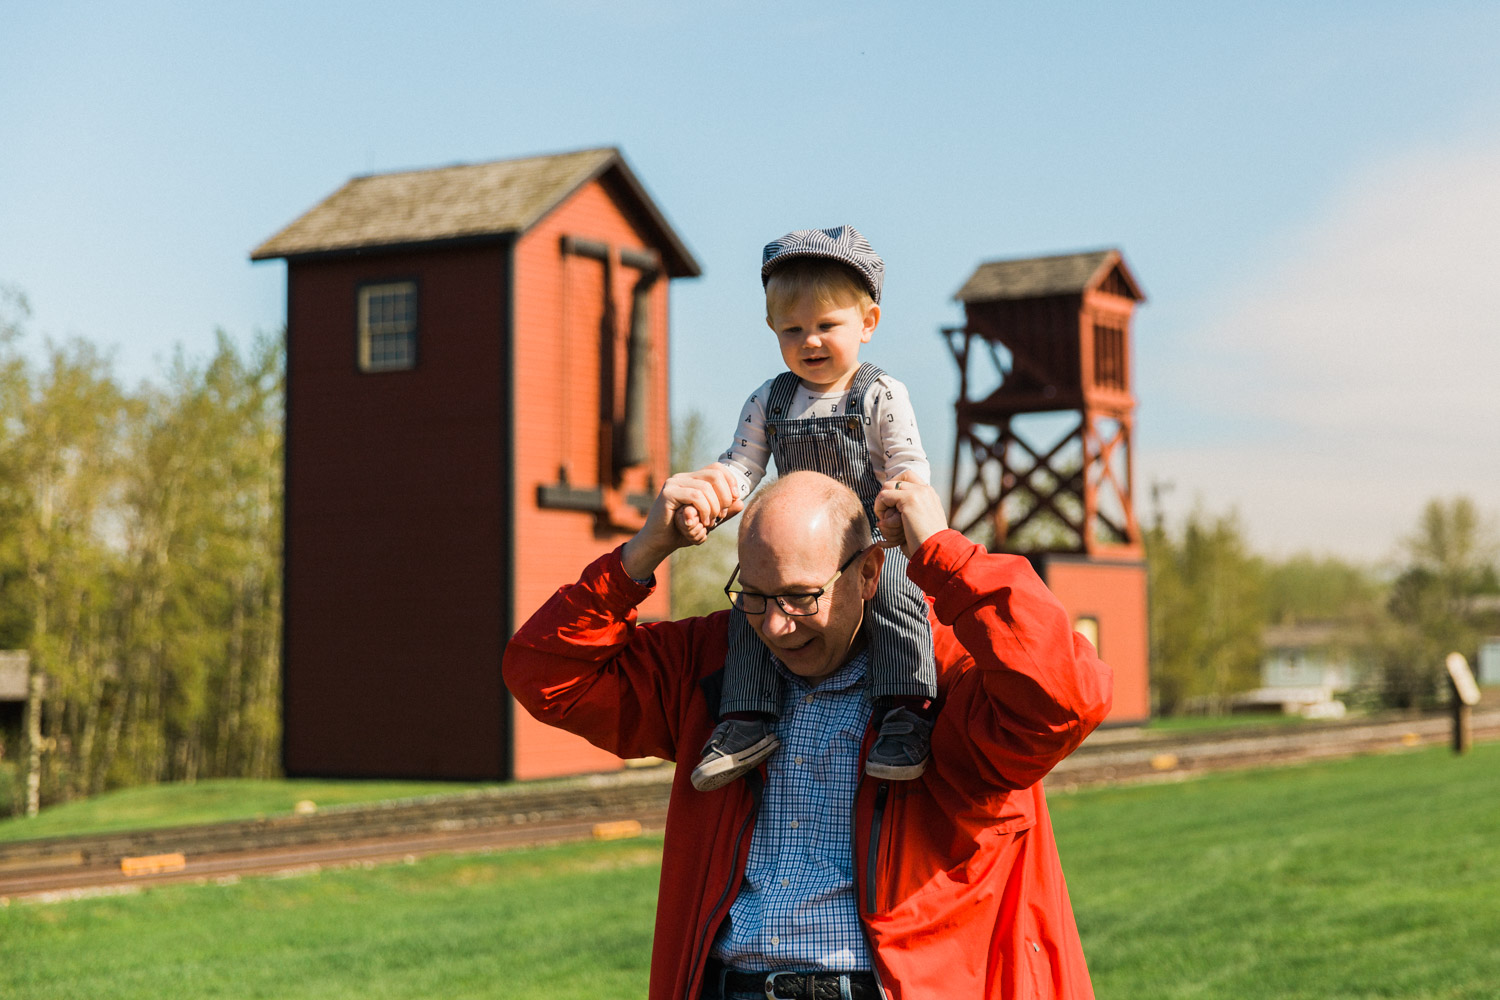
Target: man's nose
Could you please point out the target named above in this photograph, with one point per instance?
(777, 622)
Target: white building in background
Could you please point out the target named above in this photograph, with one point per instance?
(1302, 673)
(1488, 668)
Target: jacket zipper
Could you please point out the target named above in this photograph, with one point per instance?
(872, 857)
(872, 865)
(872, 851)
(699, 958)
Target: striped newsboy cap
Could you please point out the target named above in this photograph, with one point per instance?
(841, 243)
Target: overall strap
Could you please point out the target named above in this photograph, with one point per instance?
(779, 398)
(860, 388)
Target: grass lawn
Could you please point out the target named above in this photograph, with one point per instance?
(1208, 723)
(1374, 877)
(220, 800)
(566, 922)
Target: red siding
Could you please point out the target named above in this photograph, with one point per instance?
(559, 307)
(1115, 595)
(395, 583)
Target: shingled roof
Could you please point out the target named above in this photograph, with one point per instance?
(465, 201)
(1033, 277)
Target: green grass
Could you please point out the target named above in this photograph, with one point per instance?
(1208, 723)
(152, 806)
(1374, 877)
(568, 922)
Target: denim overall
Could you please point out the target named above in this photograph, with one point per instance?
(900, 638)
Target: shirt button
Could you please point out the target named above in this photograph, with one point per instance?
(799, 760)
(786, 881)
(775, 941)
(807, 700)
(794, 824)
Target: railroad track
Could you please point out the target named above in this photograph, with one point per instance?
(510, 816)
(228, 867)
(528, 815)
(1109, 760)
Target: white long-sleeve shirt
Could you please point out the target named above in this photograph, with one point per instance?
(890, 433)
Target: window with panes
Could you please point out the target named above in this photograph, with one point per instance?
(388, 326)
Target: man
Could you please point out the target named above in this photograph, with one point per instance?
(945, 886)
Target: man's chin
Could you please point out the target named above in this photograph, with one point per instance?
(809, 662)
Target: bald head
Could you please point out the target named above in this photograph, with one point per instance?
(795, 535)
(806, 511)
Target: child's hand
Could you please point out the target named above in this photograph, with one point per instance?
(909, 512)
(690, 525)
(709, 491)
(688, 518)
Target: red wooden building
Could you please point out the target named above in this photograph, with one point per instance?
(1042, 456)
(476, 407)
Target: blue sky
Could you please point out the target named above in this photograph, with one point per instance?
(1310, 194)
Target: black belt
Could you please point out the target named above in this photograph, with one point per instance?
(802, 985)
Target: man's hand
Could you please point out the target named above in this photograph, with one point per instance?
(709, 493)
(908, 512)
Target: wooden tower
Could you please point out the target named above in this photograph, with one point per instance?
(1042, 455)
(476, 408)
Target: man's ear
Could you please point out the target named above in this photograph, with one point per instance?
(869, 573)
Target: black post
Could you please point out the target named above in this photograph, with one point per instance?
(1465, 697)
(1463, 731)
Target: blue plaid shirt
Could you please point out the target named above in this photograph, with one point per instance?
(797, 907)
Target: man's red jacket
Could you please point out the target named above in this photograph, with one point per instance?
(957, 875)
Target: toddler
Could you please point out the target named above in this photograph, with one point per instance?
(830, 414)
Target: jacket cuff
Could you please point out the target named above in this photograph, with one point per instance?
(936, 567)
(615, 587)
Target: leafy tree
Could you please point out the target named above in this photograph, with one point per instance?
(1306, 589)
(140, 546)
(14, 391)
(1207, 608)
(65, 421)
(204, 502)
(1453, 543)
(1431, 604)
(699, 572)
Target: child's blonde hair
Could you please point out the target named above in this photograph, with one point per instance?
(828, 282)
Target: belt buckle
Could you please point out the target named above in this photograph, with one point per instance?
(770, 987)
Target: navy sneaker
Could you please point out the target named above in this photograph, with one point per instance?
(735, 747)
(902, 748)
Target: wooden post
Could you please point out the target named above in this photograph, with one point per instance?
(1465, 697)
(1463, 736)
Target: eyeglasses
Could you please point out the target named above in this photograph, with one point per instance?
(795, 605)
